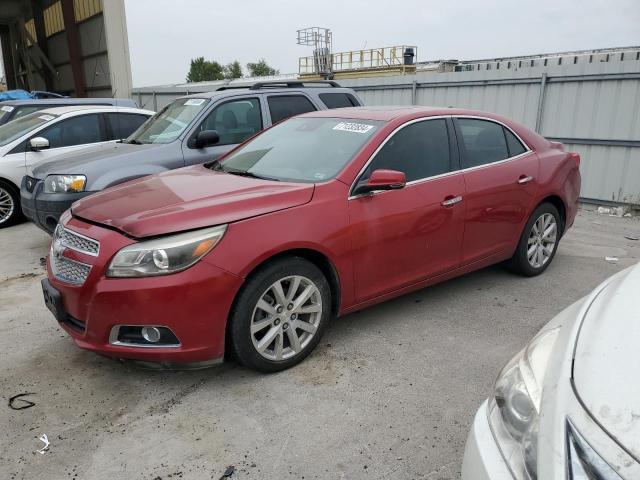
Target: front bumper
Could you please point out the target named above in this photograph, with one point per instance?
(194, 304)
(482, 458)
(45, 209)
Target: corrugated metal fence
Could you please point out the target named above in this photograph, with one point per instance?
(593, 108)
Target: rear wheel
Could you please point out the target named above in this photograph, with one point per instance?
(538, 242)
(10, 212)
(280, 315)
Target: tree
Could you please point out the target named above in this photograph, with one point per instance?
(233, 70)
(261, 69)
(203, 70)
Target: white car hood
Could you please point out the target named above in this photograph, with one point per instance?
(606, 368)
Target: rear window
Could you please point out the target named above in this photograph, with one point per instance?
(515, 146)
(285, 106)
(339, 100)
(483, 142)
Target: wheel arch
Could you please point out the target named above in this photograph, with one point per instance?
(314, 256)
(560, 205)
(10, 182)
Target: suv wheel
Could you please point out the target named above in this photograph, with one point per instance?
(10, 212)
(280, 315)
(538, 242)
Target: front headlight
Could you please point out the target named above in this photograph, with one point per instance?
(64, 183)
(515, 406)
(166, 255)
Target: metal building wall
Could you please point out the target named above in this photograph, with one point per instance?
(593, 107)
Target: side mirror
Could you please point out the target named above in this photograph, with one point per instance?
(382, 180)
(38, 143)
(206, 138)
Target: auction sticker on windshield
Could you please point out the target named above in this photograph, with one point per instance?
(7, 108)
(194, 101)
(353, 127)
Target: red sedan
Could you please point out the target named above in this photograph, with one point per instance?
(321, 215)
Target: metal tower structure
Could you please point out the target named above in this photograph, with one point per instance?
(320, 39)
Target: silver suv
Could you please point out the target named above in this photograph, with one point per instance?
(190, 130)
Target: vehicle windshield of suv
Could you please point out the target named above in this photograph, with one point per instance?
(14, 129)
(169, 123)
(301, 149)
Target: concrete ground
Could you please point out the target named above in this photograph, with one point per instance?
(389, 393)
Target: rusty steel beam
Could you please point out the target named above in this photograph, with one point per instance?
(41, 37)
(73, 44)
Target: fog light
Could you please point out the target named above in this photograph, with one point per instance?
(151, 334)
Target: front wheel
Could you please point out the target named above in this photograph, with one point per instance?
(10, 212)
(538, 242)
(280, 315)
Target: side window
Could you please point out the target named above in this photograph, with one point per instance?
(73, 131)
(420, 150)
(515, 146)
(339, 100)
(235, 121)
(123, 124)
(285, 106)
(483, 142)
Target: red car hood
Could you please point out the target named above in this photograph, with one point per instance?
(186, 199)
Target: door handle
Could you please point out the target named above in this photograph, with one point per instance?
(523, 180)
(450, 201)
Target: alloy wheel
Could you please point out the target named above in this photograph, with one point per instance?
(542, 240)
(286, 318)
(7, 205)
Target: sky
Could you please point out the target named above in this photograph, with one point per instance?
(165, 34)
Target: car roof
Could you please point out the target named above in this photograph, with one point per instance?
(91, 108)
(66, 101)
(389, 113)
(296, 86)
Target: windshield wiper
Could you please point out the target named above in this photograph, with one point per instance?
(245, 173)
(133, 141)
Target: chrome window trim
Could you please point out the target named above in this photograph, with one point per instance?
(115, 331)
(92, 240)
(447, 174)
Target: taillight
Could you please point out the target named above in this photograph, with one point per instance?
(576, 158)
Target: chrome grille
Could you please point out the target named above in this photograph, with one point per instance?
(68, 270)
(77, 242)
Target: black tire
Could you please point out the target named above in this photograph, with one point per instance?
(241, 340)
(13, 193)
(520, 263)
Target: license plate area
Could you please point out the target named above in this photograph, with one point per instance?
(53, 301)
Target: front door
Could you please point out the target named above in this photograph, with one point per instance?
(66, 136)
(501, 179)
(401, 237)
(234, 120)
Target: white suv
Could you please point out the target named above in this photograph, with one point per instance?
(40, 136)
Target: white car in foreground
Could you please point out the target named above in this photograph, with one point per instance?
(568, 405)
(40, 136)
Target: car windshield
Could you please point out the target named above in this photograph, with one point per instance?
(301, 149)
(24, 110)
(15, 129)
(169, 123)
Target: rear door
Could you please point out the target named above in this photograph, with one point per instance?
(235, 120)
(401, 237)
(501, 179)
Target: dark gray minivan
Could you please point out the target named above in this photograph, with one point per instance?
(190, 130)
